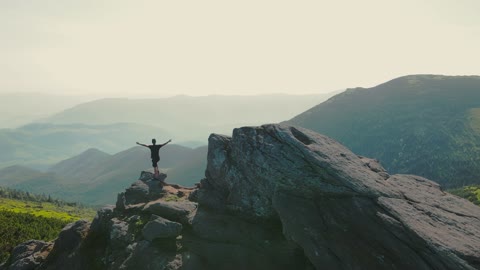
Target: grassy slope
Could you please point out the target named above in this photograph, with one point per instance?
(16, 228)
(65, 213)
(34, 217)
(471, 193)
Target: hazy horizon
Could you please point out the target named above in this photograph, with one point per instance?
(97, 96)
(164, 48)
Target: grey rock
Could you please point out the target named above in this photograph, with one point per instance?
(159, 227)
(231, 255)
(137, 193)
(375, 166)
(103, 216)
(119, 234)
(29, 255)
(133, 219)
(148, 176)
(71, 236)
(344, 211)
(120, 205)
(66, 252)
(143, 255)
(143, 190)
(145, 176)
(180, 211)
(155, 189)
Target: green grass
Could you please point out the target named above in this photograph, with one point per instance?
(172, 198)
(18, 201)
(25, 216)
(471, 193)
(46, 209)
(16, 228)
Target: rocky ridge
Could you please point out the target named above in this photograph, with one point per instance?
(274, 197)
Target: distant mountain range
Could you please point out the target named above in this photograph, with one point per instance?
(112, 125)
(43, 156)
(190, 118)
(41, 145)
(427, 125)
(95, 177)
(18, 109)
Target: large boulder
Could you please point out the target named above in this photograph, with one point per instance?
(67, 248)
(138, 192)
(345, 211)
(102, 218)
(159, 228)
(147, 188)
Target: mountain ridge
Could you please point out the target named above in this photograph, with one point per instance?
(425, 125)
(93, 177)
(191, 118)
(40, 145)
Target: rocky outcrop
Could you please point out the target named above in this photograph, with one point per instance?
(344, 211)
(274, 197)
(68, 248)
(29, 255)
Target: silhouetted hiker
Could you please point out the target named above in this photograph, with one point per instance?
(154, 149)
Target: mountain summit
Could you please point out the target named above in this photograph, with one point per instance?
(274, 197)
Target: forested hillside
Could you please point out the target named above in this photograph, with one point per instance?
(421, 124)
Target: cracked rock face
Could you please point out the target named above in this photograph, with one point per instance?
(345, 211)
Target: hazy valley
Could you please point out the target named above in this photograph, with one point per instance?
(94, 177)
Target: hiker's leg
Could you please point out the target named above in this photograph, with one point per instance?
(155, 168)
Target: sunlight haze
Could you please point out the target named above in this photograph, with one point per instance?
(166, 48)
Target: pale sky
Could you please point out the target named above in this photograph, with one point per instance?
(201, 47)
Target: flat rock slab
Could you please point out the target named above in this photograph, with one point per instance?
(147, 176)
(177, 211)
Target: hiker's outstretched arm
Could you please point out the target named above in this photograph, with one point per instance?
(167, 142)
(142, 144)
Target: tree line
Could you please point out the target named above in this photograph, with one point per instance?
(16, 194)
